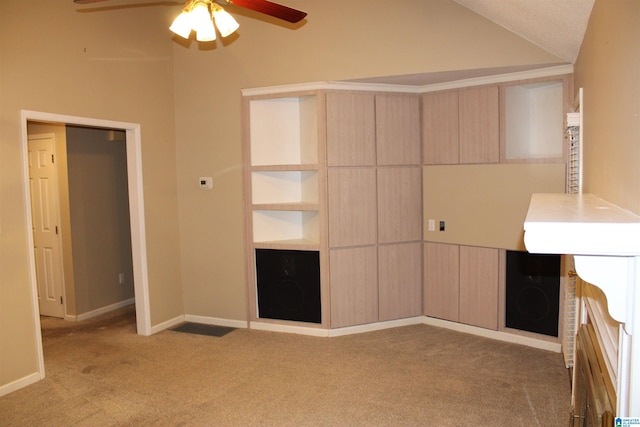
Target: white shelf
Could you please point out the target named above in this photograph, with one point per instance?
(284, 187)
(282, 225)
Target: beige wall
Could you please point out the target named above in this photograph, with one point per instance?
(99, 212)
(102, 65)
(485, 205)
(340, 40)
(608, 68)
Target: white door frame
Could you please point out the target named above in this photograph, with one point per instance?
(136, 213)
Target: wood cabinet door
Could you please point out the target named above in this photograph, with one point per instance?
(441, 280)
(350, 121)
(479, 123)
(398, 129)
(440, 128)
(352, 207)
(399, 204)
(479, 276)
(354, 286)
(400, 280)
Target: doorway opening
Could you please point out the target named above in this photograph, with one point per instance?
(136, 213)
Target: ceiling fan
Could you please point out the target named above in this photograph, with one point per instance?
(199, 15)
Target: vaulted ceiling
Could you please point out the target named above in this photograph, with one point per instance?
(558, 26)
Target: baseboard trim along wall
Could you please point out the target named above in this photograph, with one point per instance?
(370, 327)
(496, 335)
(20, 383)
(99, 311)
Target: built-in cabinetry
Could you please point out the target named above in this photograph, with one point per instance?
(341, 172)
(374, 207)
(461, 126)
(462, 284)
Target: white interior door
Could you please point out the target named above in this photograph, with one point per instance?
(43, 179)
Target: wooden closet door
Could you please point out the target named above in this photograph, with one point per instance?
(479, 124)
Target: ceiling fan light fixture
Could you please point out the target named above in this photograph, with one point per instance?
(202, 23)
(181, 26)
(224, 21)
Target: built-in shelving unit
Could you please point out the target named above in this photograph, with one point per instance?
(284, 183)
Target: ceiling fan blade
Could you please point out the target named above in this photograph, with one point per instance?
(271, 9)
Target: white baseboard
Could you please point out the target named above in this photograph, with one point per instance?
(167, 324)
(100, 311)
(291, 329)
(20, 383)
(216, 321)
(370, 327)
(496, 335)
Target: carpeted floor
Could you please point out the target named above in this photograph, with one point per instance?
(100, 373)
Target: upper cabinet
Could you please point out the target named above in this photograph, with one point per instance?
(397, 129)
(461, 126)
(351, 139)
(479, 121)
(512, 122)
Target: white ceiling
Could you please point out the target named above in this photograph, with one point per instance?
(557, 26)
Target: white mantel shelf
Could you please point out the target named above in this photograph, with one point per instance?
(605, 242)
(580, 224)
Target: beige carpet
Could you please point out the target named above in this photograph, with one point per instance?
(100, 373)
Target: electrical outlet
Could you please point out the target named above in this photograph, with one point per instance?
(121, 278)
(441, 225)
(432, 225)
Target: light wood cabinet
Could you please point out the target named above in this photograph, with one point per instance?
(354, 286)
(440, 128)
(397, 129)
(399, 204)
(479, 284)
(479, 124)
(352, 206)
(461, 126)
(400, 280)
(373, 205)
(351, 139)
(462, 284)
(441, 280)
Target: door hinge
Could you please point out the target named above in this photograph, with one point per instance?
(56, 229)
(60, 300)
(52, 159)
